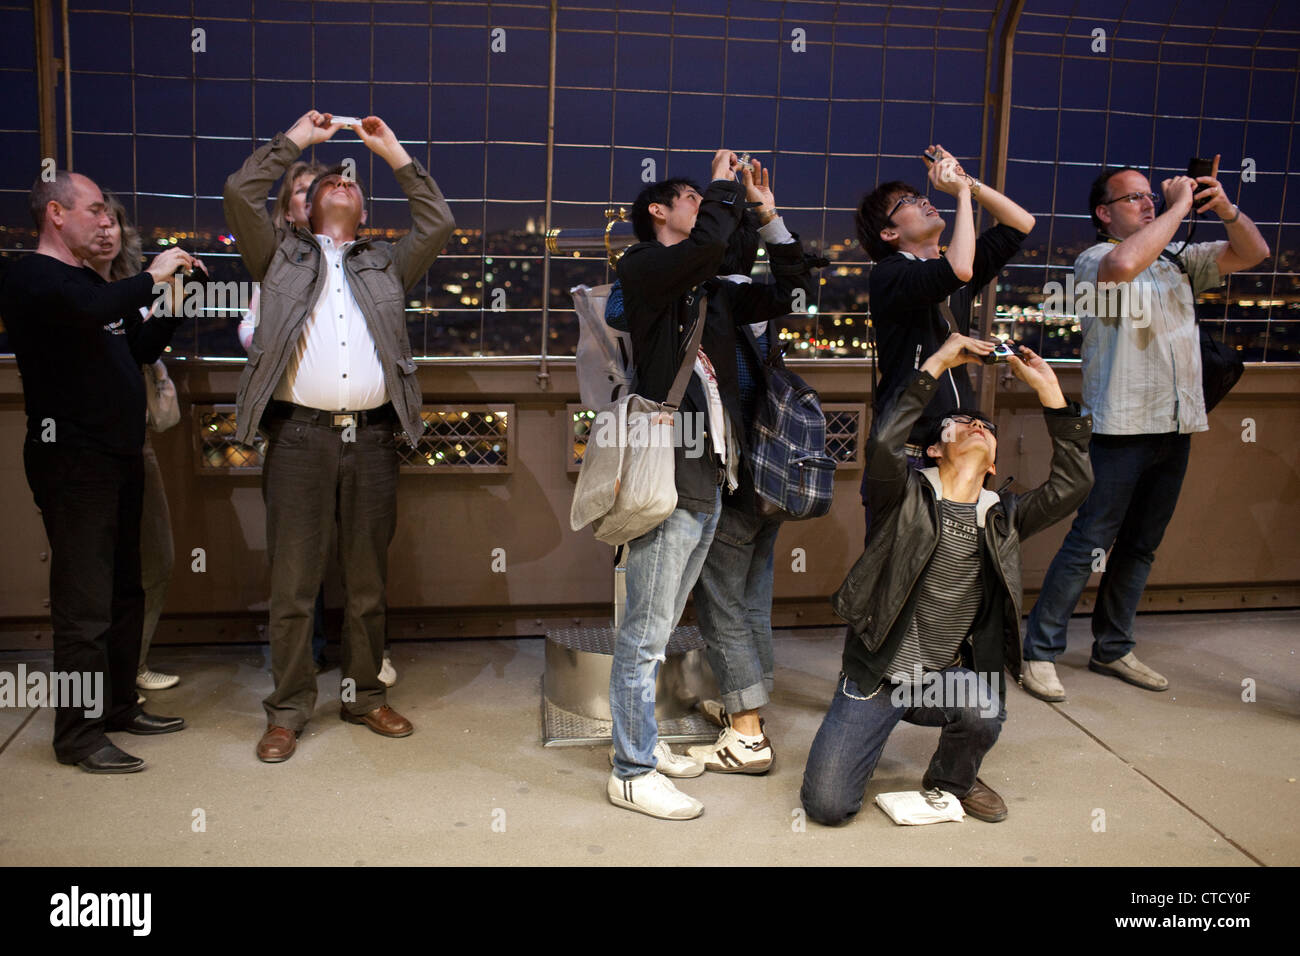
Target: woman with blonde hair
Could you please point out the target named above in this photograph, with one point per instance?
(121, 255)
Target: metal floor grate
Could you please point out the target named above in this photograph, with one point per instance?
(600, 640)
(563, 729)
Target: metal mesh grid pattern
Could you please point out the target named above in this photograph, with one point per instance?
(472, 438)
(560, 728)
(217, 452)
(457, 439)
(665, 80)
(844, 431)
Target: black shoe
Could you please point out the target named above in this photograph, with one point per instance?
(109, 759)
(143, 724)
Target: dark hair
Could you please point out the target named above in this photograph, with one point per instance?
(873, 216)
(337, 170)
(1097, 193)
(935, 434)
(664, 193)
(59, 190)
(298, 169)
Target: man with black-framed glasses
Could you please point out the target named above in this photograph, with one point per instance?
(1142, 383)
(918, 296)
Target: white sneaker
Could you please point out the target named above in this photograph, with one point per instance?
(654, 794)
(670, 764)
(387, 673)
(735, 752)
(153, 680)
(1039, 679)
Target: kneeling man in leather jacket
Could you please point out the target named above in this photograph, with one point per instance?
(933, 604)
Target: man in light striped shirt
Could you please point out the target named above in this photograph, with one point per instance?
(1142, 383)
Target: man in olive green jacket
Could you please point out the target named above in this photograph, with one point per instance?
(330, 381)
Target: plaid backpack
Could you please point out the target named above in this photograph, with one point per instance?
(793, 475)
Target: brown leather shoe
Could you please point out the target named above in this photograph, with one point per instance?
(277, 744)
(383, 720)
(983, 802)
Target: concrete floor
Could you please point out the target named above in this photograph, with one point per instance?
(1194, 776)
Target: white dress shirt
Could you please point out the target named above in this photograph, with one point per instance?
(335, 366)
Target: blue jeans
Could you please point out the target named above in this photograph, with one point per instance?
(853, 733)
(734, 602)
(1137, 479)
(662, 566)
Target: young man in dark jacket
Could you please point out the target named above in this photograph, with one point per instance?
(918, 296)
(664, 277)
(933, 604)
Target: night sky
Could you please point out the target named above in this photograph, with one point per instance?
(834, 96)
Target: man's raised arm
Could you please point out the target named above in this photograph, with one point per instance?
(1124, 262)
(1071, 476)
(244, 196)
(431, 219)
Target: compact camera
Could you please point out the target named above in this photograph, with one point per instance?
(1002, 352)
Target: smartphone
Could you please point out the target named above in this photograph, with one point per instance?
(930, 156)
(1197, 167)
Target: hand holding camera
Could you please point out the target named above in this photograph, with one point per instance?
(724, 164)
(1032, 369)
(944, 172)
(1178, 190)
(311, 128)
(956, 350)
(1209, 192)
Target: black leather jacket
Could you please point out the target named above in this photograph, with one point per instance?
(878, 597)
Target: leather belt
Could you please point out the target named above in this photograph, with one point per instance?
(316, 416)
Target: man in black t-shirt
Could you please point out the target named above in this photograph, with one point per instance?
(80, 342)
(918, 296)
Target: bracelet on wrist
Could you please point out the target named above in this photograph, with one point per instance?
(1235, 216)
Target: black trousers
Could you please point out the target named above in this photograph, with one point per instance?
(90, 503)
(315, 477)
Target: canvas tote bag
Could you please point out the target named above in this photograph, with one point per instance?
(627, 485)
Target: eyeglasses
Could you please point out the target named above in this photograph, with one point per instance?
(1135, 198)
(906, 201)
(969, 420)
